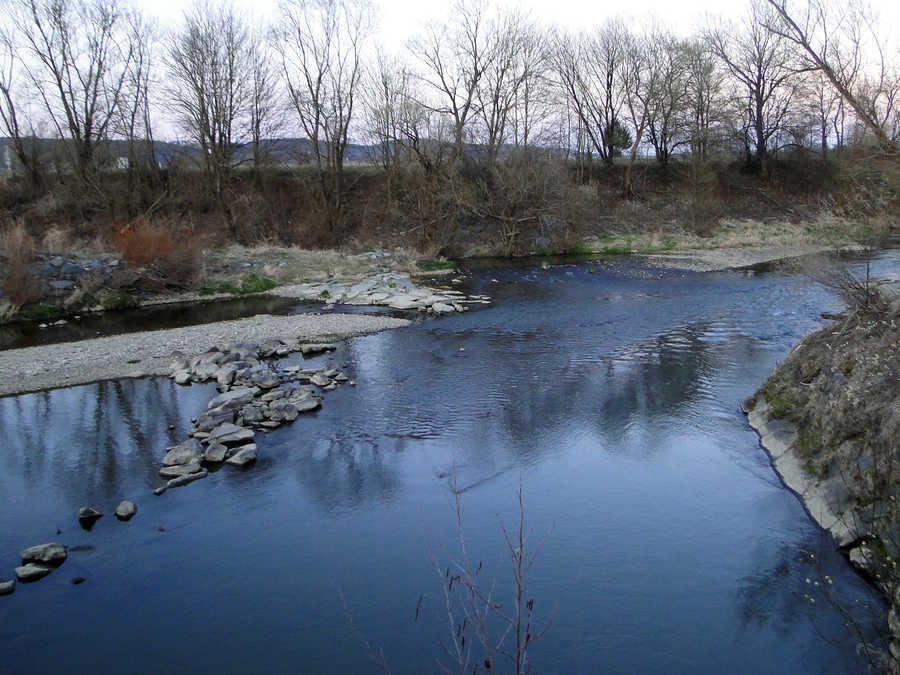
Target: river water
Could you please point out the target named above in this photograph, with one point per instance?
(664, 540)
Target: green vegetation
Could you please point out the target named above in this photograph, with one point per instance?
(41, 312)
(117, 300)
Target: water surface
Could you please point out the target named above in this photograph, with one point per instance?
(667, 543)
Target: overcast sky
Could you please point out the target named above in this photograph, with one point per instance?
(400, 19)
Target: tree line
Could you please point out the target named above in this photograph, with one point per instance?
(476, 88)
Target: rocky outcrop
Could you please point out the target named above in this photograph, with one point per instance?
(827, 501)
(392, 290)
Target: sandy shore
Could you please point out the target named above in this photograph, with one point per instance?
(149, 353)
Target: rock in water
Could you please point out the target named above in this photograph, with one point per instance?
(244, 456)
(126, 510)
(46, 554)
(311, 349)
(7, 586)
(230, 434)
(189, 478)
(88, 516)
(179, 470)
(88, 513)
(215, 453)
(32, 572)
(183, 453)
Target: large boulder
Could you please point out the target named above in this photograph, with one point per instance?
(46, 554)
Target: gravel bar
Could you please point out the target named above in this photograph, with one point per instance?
(107, 358)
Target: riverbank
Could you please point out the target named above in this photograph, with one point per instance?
(828, 417)
(150, 353)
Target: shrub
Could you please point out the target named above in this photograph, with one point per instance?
(169, 254)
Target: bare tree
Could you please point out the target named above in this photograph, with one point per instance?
(510, 42)
(209, 67)
(839, 40)
(16, 125)
(321, 46)
(704, 84)
(455, 56)
(760, 63)
(588, 71)
(667, 93)
(266, 107)
(133, 120)
(78, 55)
(641, 88)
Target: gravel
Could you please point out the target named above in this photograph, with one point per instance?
(72, 363)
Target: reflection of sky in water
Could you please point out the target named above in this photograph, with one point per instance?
(669, 544)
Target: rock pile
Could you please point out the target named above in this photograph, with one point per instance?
(390, 290)
(254, 396)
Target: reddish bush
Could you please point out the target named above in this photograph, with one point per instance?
(169, 254)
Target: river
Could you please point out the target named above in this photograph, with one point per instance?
(664, 540)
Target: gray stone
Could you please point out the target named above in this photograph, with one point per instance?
(307, 405)
(442, 308)
(244, 456)
(183, 453)
(182, 377)
(32, 572)
(206, 370)
(215, 453)
(251, 414)
(189, 478)
(225, 376)
(275, 394)
(275, 415)
(231, 434)
(179, 470)
(7, 586)
(86, 513)
(320, 380)
(288, 410)
(270, 348)
(270, 424)
(48, 554)
(330, 373)
(316, 348)
(213, 418)
(265, 379)
(340, 377)
(162, 488)
(403, 302)
(233, 399)
(126, 510)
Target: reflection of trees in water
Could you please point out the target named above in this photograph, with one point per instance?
(344, 470)
(91, 440)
